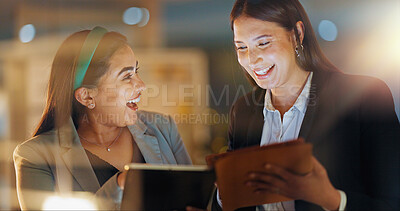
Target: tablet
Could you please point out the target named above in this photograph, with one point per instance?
(167, 187)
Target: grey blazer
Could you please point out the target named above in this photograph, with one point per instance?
(55, 162)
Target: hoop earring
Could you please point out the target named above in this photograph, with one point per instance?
(297, 50)
(91, 106)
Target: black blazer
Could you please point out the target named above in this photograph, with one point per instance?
(351, 122)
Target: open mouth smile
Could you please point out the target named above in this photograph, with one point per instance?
(264, 73)
(132, 104)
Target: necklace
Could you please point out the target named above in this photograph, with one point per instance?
(108, 148)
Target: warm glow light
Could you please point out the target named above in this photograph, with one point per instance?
(377, 53)
(68, 203)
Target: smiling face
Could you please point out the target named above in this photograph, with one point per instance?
(266, 51)
(118, 91)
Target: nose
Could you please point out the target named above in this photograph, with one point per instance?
(139, 85)
(254, 58)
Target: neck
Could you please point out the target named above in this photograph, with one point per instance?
(285, 96)
(95, 131)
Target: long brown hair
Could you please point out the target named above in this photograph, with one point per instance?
(287, 13)
(61, 103)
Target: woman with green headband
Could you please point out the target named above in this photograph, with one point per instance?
(91, 126)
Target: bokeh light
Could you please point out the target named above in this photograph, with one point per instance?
(68, 203)
(327, 30)
(145, 17)
(27, 33)
(132, 15)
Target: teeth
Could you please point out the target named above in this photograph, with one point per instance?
(134, 100)
(264, 71)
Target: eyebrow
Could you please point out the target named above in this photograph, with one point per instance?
(259, 37)
(129, 68)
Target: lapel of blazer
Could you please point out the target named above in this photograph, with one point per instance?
(319, 78)
(256, 123)
(146, 141)
(308, 121)
(76, 160)
(78, 164)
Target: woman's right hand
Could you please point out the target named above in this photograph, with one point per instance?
(314, 187)
(121, 179)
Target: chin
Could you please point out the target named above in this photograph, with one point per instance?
(131, 119)
(265, 86)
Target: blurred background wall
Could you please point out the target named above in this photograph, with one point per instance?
(186, 57)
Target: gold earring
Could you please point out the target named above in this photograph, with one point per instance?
(297, 49)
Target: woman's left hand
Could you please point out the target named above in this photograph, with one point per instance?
(121, 179)
(314, 187)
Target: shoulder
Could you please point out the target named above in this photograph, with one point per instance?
(37, 148)
(150, 118)
(160, 125)
(157, 123)
(359, 86)
(349, 81)
(368, 95)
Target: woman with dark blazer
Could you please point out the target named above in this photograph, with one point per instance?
(91, 126)
(350, 120)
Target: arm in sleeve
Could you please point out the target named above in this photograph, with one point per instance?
(343, 201)
(34, 178)
(36, 181)
(216, 201)
(231, 128)
(110, 194)
(380, 148)
(178, 148)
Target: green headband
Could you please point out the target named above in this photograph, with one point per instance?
(87, 52)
